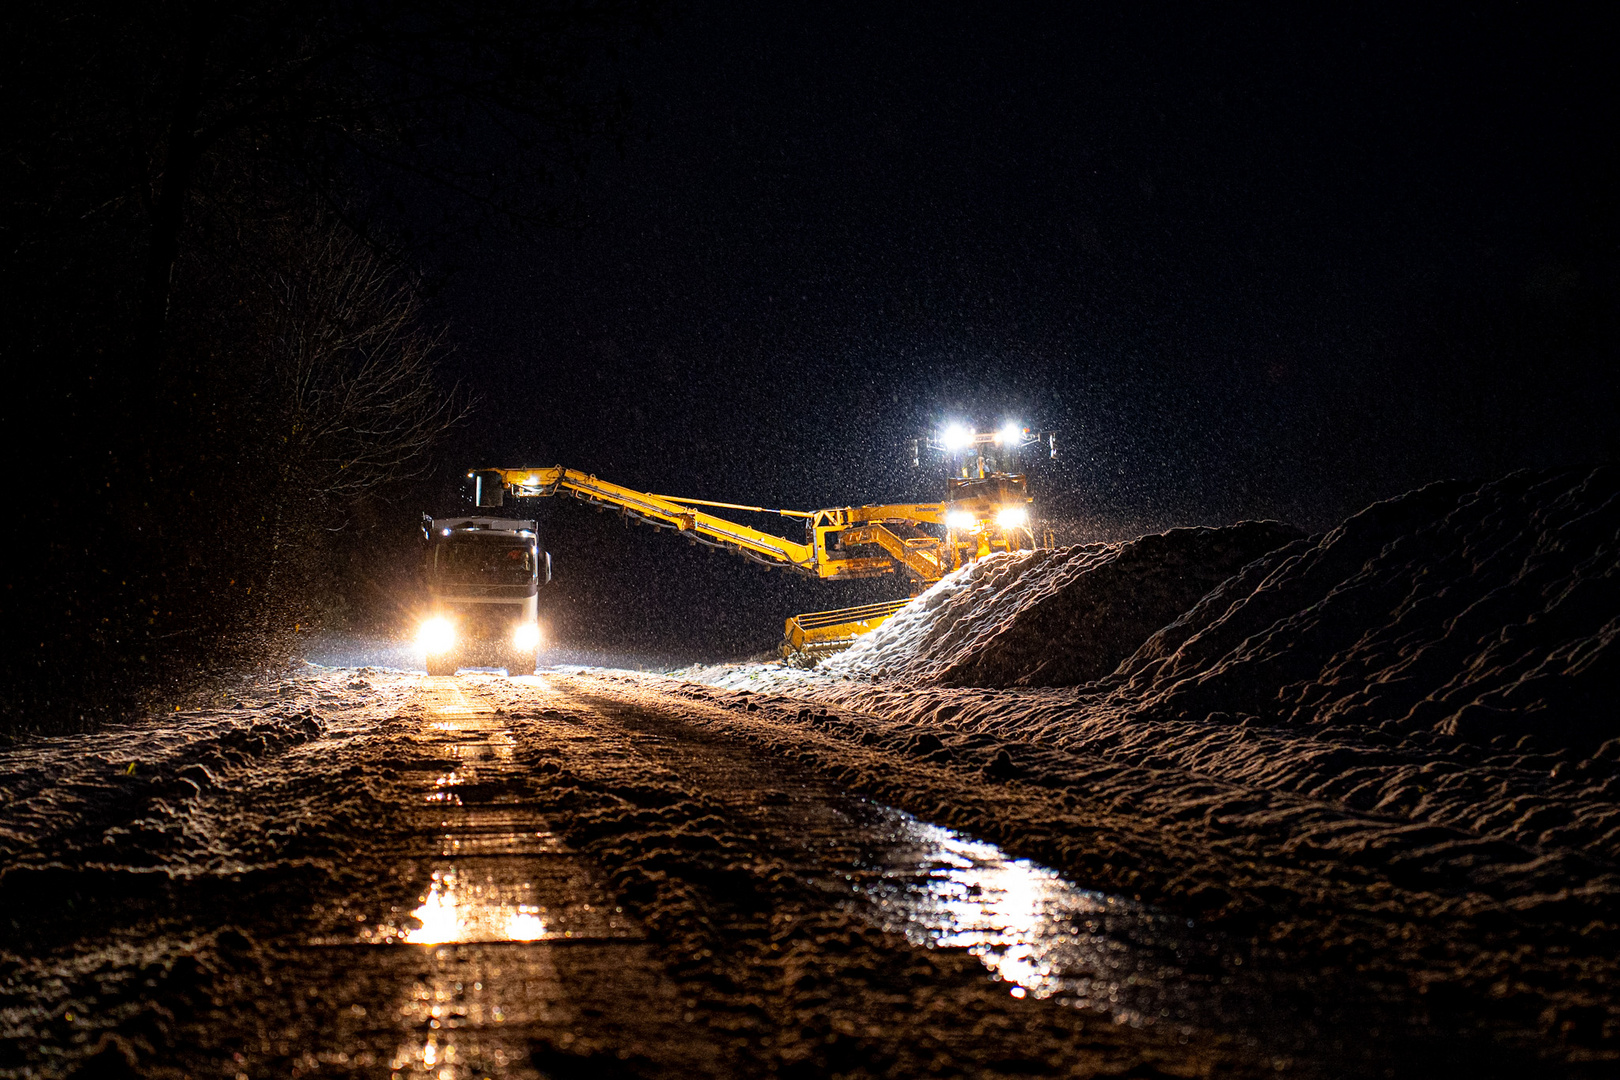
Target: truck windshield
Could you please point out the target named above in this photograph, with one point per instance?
(1002, 459)
(483, 560)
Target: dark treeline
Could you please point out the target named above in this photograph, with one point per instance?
(216, 224)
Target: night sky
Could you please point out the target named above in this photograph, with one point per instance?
(1250, 262)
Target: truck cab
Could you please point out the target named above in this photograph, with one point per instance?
(483, 577)
(987, 487)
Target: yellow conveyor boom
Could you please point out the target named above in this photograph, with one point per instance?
(971, 520)
(922, 559)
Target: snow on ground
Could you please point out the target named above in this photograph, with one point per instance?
(241, 811)
(146, 797)
(1427, 693)
(1445, 658)
(1390, 751)
(1488, 616)
(994, 622)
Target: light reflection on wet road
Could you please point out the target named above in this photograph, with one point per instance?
(492, 877)
(459, 910)
(497, 889)
(1042, 935)
(1034, 930)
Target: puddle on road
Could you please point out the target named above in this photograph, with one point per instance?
(1047, 937)
(1040, 934)
(1043, 935)
(487, 887)
(457, 910)
(478, 900)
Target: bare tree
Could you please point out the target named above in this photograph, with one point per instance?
(351, 371)
(347, 402)
(191, 201)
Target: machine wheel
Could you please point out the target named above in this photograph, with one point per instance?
(441, 665)
(520, 665)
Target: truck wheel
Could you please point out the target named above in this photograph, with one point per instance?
(441, 665)
(520, 665)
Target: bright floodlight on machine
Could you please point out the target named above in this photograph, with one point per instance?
(961, 520)
(1012, 517)
(1011, 434)
(956, 437)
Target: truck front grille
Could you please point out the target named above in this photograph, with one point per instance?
(486, 621)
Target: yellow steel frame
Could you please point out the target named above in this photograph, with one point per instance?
(822, 632)
(922, 559)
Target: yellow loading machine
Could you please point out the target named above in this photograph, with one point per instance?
(986, 510)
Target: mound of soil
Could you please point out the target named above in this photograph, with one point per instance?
(1443, 660)
(1489, 615)
(1409, 720)
(1055, 618)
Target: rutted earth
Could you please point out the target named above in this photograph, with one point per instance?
(593, 873)
(385, 874)
(1230, 802)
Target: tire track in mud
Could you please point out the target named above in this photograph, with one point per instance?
(595, 875)
(810, 892)
(514, 961)
(1353, 1021)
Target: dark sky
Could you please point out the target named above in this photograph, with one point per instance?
(1250, 261)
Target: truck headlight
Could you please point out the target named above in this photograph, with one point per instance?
(961, 520)
(1013, 517)
(526, 636)
(436, 636)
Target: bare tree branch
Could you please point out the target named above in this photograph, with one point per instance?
(353, 370)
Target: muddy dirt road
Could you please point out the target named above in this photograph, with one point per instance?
(586, 874)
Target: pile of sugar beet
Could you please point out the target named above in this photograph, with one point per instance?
(1455, 614)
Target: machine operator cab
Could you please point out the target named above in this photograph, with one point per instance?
(987, 499)
(483, 577)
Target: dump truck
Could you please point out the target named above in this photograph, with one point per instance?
(483, 577)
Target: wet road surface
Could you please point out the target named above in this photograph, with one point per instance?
(492, 946)
(505, 940)
(1039, 934)
(1036, 934)
(551, 881)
